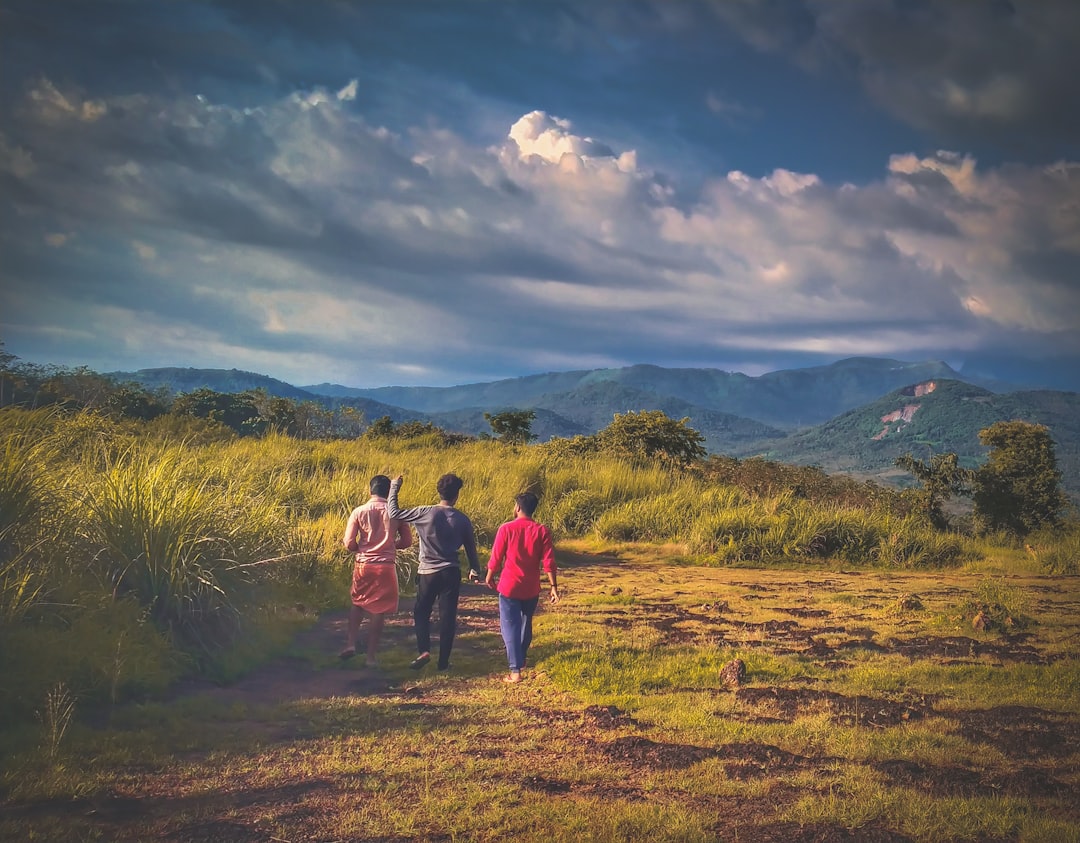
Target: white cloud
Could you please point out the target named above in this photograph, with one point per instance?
(297, 234)
(144, 250)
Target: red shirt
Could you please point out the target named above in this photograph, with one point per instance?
(525, 548)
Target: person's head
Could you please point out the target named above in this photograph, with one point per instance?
(527, 503)
(449, 487)
(380, 485)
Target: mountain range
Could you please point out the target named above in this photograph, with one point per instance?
(855, 415)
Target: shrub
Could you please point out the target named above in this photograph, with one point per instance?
(1057, 550)
(576, 512)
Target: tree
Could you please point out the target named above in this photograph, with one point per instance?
(1018, 489)
(382, 427)
(652, 434)
(512, 426)
(234, 410)
(134, 401)
(941, 479)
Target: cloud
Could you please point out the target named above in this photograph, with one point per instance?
(295, 236)
(998, 72)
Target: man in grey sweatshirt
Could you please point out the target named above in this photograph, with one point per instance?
(442, 531)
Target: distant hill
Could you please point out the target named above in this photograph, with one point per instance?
(929, 418)
(545, 426)
(787, 399)
(177, 380)
(594, 405)
(833, 416)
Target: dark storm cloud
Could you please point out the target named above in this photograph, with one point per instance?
(999, 73)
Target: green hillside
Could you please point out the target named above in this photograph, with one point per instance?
(921, 421)
(594, 405)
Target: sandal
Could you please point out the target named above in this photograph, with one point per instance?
(420, 661)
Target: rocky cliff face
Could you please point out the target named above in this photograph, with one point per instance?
(907, 413)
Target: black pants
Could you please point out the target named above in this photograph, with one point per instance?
(444, 584)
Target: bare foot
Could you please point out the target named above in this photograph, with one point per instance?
(513, 678)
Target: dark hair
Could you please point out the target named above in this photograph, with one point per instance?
(380, 485)
(449, 486)
(527, 503)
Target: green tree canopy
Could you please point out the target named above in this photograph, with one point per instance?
(941, 478)
(1018, 489)
(652, 434)
(512, 426)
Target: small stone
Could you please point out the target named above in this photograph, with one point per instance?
(733, 674)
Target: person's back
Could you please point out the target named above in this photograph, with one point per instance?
(522, 549)
(442, 530)
(374, 539)
(528, 551)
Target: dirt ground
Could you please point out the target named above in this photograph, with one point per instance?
(681, 607)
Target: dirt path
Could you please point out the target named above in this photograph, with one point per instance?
(312, 670)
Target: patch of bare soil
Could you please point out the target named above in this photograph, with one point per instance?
(219, 831)
(642, 752)
(546, 785)
(607, 717)
(1032, 782)
(681, 625)
(789, 703)
(307, 676)
(959, 648)
(1020, 731)
(802, 612)
(824, 833)
(753, 760)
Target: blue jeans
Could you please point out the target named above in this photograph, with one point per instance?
(515, 621)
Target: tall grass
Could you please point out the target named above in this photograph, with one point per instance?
(27, 501)
(180, 547)
(193, 525)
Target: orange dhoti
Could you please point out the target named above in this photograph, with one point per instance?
(375, 587)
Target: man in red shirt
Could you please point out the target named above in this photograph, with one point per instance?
(523, 548)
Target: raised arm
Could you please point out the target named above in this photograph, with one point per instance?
(396, 512)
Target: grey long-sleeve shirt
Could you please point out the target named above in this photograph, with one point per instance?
(442, 530)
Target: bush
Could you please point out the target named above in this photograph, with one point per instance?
(1057, 550)
(576, 513)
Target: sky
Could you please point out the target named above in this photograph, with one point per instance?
(437, 192)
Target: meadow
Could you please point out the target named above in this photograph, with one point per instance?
(172, 603)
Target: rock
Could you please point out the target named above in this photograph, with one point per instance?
(733, 674)
(909, 603)
(616, 590)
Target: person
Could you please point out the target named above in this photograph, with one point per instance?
(374, 537)
(522, 548)
(442, 530)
